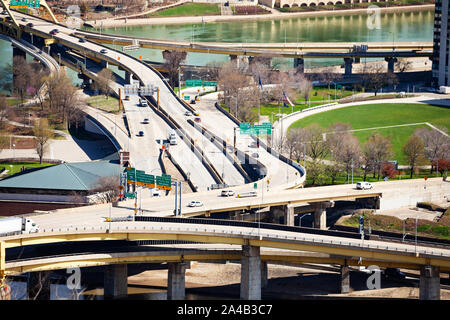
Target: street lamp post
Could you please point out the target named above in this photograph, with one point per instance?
(300, 219)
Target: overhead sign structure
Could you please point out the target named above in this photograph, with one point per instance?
(135, 89)
(257, 129)
(209, 83)
(25, 4)
(131, 47)
(140, 178)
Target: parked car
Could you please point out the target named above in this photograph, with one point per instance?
(363, 185)
(195, 204)
(227, 193)
(145, 121)
(141, 133)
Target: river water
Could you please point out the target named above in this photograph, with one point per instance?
(399, 26)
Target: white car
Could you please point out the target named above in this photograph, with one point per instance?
(195, 204)
(364, 185)
(227, 193)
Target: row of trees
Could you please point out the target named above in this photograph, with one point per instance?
(345, 153)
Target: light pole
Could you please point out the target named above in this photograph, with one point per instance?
(300, 219)
(14, 151)
(59, 56)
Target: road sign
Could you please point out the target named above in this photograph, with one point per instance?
(245, 128)
(24, 3)
(131, 47)
(187, 97)
(130, 195)
(209, 83)
(255, 186)
(193, 83)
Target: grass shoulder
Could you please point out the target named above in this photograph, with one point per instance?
(109, 104)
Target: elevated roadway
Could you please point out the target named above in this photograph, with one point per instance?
(290, 50)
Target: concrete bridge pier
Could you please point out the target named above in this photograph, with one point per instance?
(86, 79)
(391, 63)
(299, 64)
(320, 214)
(115, 281)
(250, 273)
(38, 285)
(429, 286)
(264, 274)
(348, 64)
(345, 279)
(176, 280)
(287, 212)
(128, 77)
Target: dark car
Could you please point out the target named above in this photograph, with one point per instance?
(31, 25)
(394, 273)
(82, 40)
(192, 101)
(103, 51)
(197, 119)
(141, 133)
(54, 31)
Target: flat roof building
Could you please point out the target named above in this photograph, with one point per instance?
(441, 57)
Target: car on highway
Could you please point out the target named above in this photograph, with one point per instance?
(103, 51)
(188, 114)
(227, 193)
(255, 155)
(197, 119)
(24, 19)
(141, 134)
(127, 98)
(156, 193)
(363, 185)
(195, 204)
(145, 121)
(143, 103)
(247, 194)
(54, 31)
(192, 101)
(30, 24)
(81, 40)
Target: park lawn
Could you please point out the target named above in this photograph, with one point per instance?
(321, 94)
(379, 115)
(13, 101)
(189, 9)
(110, 105)
(16, 166)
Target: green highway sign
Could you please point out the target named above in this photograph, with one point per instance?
(193, 83)
(255, 186)
(187, 97)
(209, 83)
(25, 3)
(130, 195)
(258, 129)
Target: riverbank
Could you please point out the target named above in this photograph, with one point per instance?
(110, 23)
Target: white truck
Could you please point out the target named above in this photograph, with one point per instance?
(172, 136)
(17, 225)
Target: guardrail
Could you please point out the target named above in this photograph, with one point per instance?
(105, 131)
(221, 144)
(197, 151)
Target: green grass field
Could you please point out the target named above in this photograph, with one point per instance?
(189, 9)
(16, 166)
(379, 115)
(110, 105)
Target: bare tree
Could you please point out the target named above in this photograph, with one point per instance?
(172, 61)
(436, 144)
(21, 76)
(413, 150)
(104, 80)
(42, 134)
(4, 108)
(375, 77)
(317, 147)
(107, 189)
(377, 150)
(403, 64)
(349, 154)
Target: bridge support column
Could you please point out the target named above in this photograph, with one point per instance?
(128, 77)
(264, 274)
(250, 273)
(348, 64)
(345, 279)
(176, 280)
(38, 285)
(299, 64)
(320, 214)
(391, 63)
(115, 281)
(282, 211)
(429, 287)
